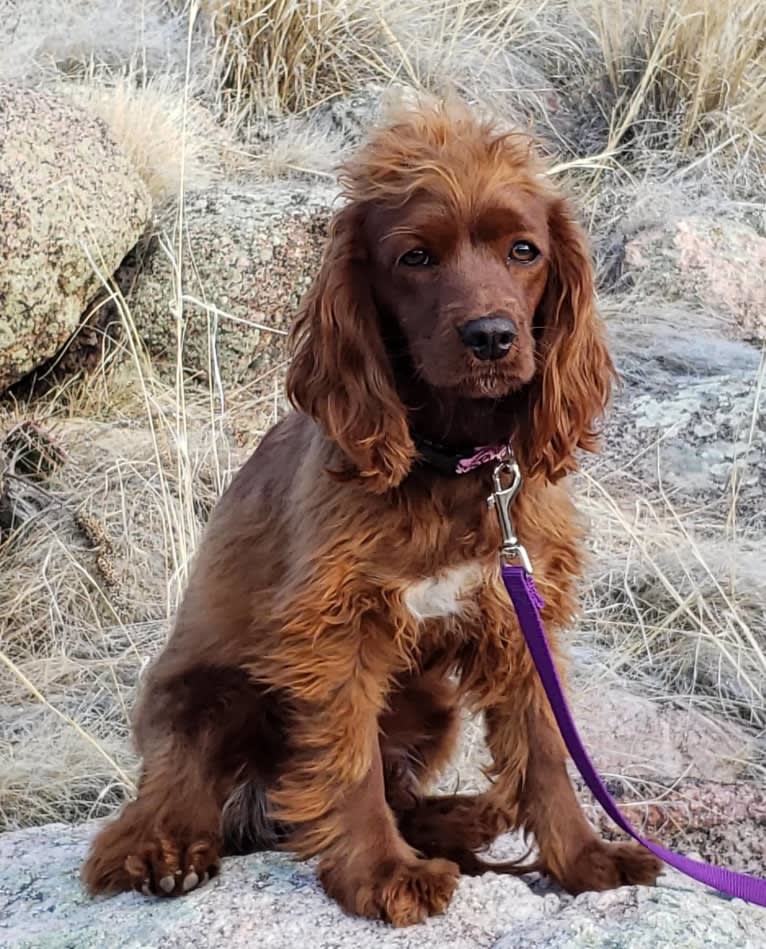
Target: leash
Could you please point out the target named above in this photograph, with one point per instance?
(527, 602)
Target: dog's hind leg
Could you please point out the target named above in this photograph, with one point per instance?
(418, 735)
(199, 731)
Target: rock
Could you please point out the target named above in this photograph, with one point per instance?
(720, 262)
(264, 900)
(698, 459)
(723, 824)
(633, 736)
(351, 116)
(635, 918)
(691, 409)
(643, 740)
(268, 900)
(677, 518)
(694, 397)
(72, 206)
(249, 256)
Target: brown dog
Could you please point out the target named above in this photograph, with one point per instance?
(346, 598)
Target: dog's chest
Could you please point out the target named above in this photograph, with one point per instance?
(445, 594)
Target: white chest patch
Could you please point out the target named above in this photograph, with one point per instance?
(443, 594)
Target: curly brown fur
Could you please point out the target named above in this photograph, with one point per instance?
(346, 599)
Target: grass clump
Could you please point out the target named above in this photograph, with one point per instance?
(290, 54)
(687, 72)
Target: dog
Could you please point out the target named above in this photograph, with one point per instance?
(346, 600)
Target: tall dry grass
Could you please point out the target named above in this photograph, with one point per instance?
(94, 555)
(291, 54)
(696, 67)
(288, 56)
(668, 72)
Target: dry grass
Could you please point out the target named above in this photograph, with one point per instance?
(43, 39)
(690, 68)
(170, 141)
(94, 550)
(634, 80)
(680, 607)
(683, 74)
(290, 54)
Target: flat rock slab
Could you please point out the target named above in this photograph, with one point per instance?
(640, 918)
(268, 900)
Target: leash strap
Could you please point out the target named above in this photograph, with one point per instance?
(527, 603)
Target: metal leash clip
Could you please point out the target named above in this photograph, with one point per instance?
(501, 500)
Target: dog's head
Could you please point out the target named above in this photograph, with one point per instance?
(455, 258)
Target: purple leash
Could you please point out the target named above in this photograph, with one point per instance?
(527, 603)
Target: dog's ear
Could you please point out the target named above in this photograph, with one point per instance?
(575, 377)
(340, 374)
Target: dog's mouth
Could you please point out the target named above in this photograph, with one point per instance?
(490, 385)
(498, 378)
(480, 380)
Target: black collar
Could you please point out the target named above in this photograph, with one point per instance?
(454, 461)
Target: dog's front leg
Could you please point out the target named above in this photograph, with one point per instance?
(533, 787)
(335, 798)
(371, 871)
(530, 790)
(332, 793)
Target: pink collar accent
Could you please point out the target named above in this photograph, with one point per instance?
(456, 462)
(482, 456)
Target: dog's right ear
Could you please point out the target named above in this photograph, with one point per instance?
(340, 373)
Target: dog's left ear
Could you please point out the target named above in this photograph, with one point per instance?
(576, 371)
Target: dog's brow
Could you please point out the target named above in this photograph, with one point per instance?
(496, 221)
(404, 230)
(437, 226)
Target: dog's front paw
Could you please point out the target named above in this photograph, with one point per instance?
(403, 892)
(602, 865)
(166, 867)
(413, 892)
(124, 857)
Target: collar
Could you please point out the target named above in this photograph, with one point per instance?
(458, 461)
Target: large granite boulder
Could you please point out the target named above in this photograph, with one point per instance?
(249, 254)
(71, 207)
(719, 263)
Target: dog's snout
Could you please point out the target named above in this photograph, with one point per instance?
(489, 337)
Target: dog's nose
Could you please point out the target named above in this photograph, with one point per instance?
(489, 337)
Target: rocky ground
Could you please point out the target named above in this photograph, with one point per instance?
(160, 223)
(270, 901)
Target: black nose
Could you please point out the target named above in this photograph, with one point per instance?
(489, 337)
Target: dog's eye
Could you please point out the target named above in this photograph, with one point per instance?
(524, 252)
(416, 258)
